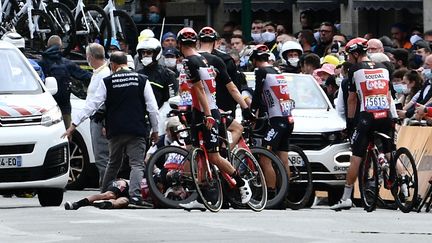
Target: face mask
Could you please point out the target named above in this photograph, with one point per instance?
(279, 46)
(153, 17)
(179, 67)
(222, 48)
(257, 37)
(268, 36)
(146, 61)
(427, 74)
(170, 62)
(401, 88)
(293, 61)
(418, 59)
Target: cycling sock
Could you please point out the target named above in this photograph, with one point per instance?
(347, 192)
(83, 202)
(238, 179)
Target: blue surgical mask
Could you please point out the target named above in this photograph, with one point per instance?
(153, 17)
(257, 37)
(427, 74)
(268, 36)
(400, 88)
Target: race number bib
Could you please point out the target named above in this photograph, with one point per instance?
(376, 102)
(286, 107)
(185, 98)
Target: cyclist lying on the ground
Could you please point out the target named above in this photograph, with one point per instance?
(116, 196)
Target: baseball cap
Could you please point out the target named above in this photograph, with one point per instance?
(168, 35)
(330, 59)
(327, 68)
(170, 51)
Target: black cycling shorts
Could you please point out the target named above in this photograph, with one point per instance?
(277, 135)
(367, 124)
(210, 137)
(120, 188)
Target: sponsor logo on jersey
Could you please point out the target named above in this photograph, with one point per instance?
(375, 84)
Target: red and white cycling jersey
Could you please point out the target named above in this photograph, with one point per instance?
(372, 86)
(276, 96)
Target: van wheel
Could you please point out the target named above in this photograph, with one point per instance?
(50, 196)
(79, 163)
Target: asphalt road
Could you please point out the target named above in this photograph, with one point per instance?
(23, 220)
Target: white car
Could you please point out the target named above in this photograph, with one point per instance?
(33, 156)
(318, 131)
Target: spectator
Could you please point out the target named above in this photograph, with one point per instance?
(54, 65)
(400, 86)
(280, 29)
(257, 30)
(115, 46)
(400, 58)
(307, 41)
(341, 38)
(169, 40)
(326, 32)
(269, 36)
(374, 46)
(342, 98)
(331, 89)
(238, 44)
(422, 50)
(228, 29)
(306, 20)
(125, 123)
(400, 36)
(332, 59)
(311, 63)
(326, 71)
(387, 43)
(427, 36)
(171, 59)
(291, 52)
(414, 93)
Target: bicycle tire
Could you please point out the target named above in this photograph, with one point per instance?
(250, 170)
(282, 181)
(369, 182)
(40, 37)
(65, 24)
(300, 180)
(211, 190)
(129, 30)
(160, 189)
(410, 179)
(100, 29)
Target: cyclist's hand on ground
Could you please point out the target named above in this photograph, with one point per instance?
(209, 122)
(247, 114)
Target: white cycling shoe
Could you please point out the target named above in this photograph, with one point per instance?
(342, 205)
(245, 192)
(193, 205)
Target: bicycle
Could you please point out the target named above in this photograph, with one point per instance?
(33, 24)
(196, 160)
(400, 177)
(294, 190)
(427, 200)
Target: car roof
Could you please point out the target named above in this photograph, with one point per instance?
(7, 45)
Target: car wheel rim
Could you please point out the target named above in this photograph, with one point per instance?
(76, 162)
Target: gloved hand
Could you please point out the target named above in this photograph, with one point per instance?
(247, 114)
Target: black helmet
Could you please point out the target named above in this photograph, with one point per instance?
(208, 34)
(187, 35)
(259, 50)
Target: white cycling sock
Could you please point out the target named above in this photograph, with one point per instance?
(347, 192)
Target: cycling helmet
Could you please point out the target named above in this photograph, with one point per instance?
(15, 39)
(187, 35)
(358, 45)
(259, 50)
(150, 44)
(208, 34)
(290, 46)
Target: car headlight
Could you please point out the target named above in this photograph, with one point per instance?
(335, 137)
(51, 117)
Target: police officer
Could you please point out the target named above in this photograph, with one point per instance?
(128, 96)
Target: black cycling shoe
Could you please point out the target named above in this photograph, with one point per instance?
(139, 203)
(103, 204)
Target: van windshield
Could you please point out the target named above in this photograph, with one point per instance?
(16, 76)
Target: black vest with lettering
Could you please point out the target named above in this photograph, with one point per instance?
(125, 105)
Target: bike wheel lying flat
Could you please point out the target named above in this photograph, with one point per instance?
(174, 185)
(368, 182)
(208, 183)
(405, 189)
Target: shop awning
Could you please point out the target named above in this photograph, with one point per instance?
(265, 5)
(319, 4)
(387, 4)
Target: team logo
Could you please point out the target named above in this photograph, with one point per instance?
(375, 84)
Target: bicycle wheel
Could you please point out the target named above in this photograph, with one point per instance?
(64, 23)
(207, 183)
(126, 30)
(168, 177)
(282, 183)
(368, 182)
(405, 189)
(250, 170)
(44, 28)
(93, 27)
(300, 178)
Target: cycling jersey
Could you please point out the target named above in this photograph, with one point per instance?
(271, 91)
(371, 82)
(195, 69)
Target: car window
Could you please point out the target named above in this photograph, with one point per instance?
(15, 75)
(304, 91)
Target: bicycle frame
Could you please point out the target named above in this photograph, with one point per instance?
(115, 22)
(28, 6)
(80, 9)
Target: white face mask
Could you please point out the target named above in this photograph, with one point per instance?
(268, 36)
(293, 61)
(257, 37)
(222, 48)
(170, 62)
(146, 61)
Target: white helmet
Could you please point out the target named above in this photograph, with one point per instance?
(145, 34)
(290, 46)
(15, 39)
(150, 44)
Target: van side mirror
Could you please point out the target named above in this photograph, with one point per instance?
(51, 85)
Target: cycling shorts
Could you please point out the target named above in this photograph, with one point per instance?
(210, 137)
(120, 188)
(277, 135)
(363, 133)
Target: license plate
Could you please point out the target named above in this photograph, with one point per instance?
(295, 160)
(10, 161)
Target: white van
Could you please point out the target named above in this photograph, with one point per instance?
(33, 157)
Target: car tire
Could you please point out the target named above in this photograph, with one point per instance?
(50, 196)
(334, 195)
(79, 164)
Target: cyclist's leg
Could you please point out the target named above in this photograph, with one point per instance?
(236, 130)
